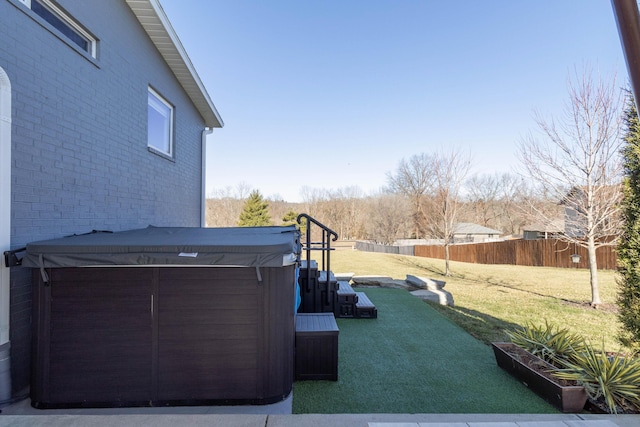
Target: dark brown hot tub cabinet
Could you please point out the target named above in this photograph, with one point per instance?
(164, 316)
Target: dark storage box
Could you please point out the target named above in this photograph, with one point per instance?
(316, 347)
(170, 334)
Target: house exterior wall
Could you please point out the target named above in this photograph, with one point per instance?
(79, 139)
(473, 238)
(532, 235)
(574, 224)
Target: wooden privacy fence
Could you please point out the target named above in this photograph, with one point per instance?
(539, 253)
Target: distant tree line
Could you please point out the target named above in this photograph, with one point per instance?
(496, 201)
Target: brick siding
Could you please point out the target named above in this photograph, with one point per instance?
(79, 139)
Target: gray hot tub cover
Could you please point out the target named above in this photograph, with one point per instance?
(232, 246)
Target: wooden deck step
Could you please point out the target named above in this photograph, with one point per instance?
(323, 277)
(346, 294)
(313, 268)
(364, 307)
(346, 301)
(312, 264)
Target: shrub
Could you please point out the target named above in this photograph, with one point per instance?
(549, 342)
(614, 379)
(629, 244)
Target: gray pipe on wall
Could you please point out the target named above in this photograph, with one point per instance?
(628, 20)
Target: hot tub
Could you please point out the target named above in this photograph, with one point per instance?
(164, 316)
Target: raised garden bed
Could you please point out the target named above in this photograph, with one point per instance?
(535, 373)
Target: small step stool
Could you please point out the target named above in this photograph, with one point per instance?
(322, 277)
(364, 307)
(347, 299)
(316, 348)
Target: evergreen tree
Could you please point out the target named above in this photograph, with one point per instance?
(290, 218)
(629, 244)
(255, 212)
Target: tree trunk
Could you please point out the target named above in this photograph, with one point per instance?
(447, 272)
(593, 272)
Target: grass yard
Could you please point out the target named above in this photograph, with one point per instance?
(420, 357)
(411, 359)
(490, 298)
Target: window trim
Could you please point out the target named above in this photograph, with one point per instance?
(154, 149)
(69, 22)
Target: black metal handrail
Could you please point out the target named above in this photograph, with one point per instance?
(328, 236)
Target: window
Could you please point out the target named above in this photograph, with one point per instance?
(159, 124)
(62, 22)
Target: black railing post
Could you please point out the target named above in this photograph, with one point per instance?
(328, 235)
(308, 251)
(324, 244)
(328, 269)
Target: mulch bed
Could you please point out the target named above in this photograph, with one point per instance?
(540, 366)
(608, 308)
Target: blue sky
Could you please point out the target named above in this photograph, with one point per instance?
(329, 94)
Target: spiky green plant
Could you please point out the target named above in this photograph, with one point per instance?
(549, 342)
(616, 379)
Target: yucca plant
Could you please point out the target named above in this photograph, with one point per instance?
(549, 342)
(615, 379)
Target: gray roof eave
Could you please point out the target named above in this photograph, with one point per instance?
(469, 228)
(156, 24)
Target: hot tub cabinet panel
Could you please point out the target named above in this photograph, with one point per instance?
(92, 337)
(111, 336)
(134, 336)
(222, 334)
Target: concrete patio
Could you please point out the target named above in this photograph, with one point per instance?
(279, 415)
(324, 420)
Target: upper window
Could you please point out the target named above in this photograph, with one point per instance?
(62, 22)
(159, 124)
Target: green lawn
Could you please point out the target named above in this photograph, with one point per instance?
(411, 359)
(420, 357)
(490, 298)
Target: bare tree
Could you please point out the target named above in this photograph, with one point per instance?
(387, 218)
(225, 204)
(578, 162)
(223, 208)
(449, 169)
(412, 179)
(514, 198)
(484, 195)
(243, 189)
(350, 217)
(501, 201)
(343, 210)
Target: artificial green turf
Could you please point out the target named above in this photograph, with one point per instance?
(411, 359)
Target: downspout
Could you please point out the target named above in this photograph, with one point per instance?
(203, 178)
(628, 21)
(5, 234)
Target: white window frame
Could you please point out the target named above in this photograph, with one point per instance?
(70, 23)
(166, 147)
